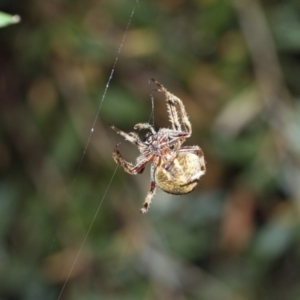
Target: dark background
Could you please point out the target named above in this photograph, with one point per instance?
(236, 66)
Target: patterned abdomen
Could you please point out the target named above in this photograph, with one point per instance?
(182, 176)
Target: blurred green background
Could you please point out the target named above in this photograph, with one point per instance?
(236, 66)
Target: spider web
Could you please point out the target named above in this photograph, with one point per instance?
(88, 143)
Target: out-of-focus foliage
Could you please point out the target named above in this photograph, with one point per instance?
(6, 19)
(236, 66)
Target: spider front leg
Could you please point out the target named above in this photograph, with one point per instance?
(132, 137)
(127, 166)
(172, 100)
(150, 194)
(140, 126)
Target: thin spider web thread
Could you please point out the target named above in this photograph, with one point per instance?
(86, 147)
(151, 118)
(85, 238)
(106, 88)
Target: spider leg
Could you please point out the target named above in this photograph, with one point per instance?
(198, 151)
(173, 155)
(140, 126)
(174, 119)
(184, 117)
(150, 194)
(127, 166)
(172, 100)
(132, 137)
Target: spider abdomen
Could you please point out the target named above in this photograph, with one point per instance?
(182, 176)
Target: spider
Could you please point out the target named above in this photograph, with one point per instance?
(176, 169)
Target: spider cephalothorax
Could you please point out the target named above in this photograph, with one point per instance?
(175, 169)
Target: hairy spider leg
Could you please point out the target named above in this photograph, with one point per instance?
(173, 114)
(151, 192)
(132, 137)
(198, 151)
(129, 167)
(174, 153)
(140, 126)
(172, 100)
(175, 138)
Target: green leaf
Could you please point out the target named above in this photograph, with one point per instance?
(6, 19)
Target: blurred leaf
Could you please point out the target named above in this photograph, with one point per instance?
(286, 26)
(274, 238)
(6, 19)
(121, 108)
(8, 206)
(239, 112)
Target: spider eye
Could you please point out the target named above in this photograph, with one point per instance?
(172, 147)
